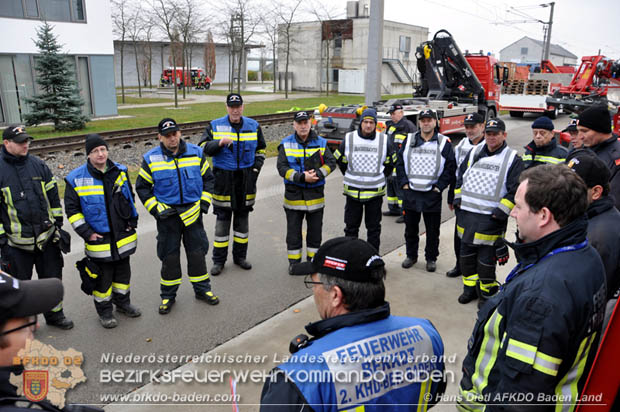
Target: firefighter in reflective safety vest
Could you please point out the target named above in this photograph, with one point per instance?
(484, 196)
(397, 130)
(175, 184)
(237, 146)
(30, 216)
(425, 168)
(474, 134)
(365, 158)
(99, 204)
(534, 342)
(304, 161)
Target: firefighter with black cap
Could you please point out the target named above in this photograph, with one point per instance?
(576, 141)
(474, 133)
(397, 130)
(175, 184)
(487, 181)
(237, 146)
(544, 148)
(365, 158)
(99, 203)
(347, 280)
(594, 125)
(304, 161)
(425, 167)
(30, 216)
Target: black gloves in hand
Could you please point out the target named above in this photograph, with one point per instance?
(501, 253)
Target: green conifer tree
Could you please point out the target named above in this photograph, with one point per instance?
(59, 98)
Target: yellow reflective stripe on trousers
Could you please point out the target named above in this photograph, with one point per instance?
(103, 296)
(172, 282)
(482, 239)
(530, 355)
(470, 280)
(568, 387)
(126, 244)
(488, 352)
(486, 286)
(120, 288)
(195, 279)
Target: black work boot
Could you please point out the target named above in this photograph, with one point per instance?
(469, 294)
(129, 310)
(217, 269)
(455, 272)
(108, 321)
(408, 262)
(208, 297)
(431, 266)
(243, 264)
(59, 320)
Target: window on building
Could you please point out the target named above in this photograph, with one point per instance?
(32, 9)
(11, 8)
(84, 81)
(335, 73)
(524, 51)
(337, 40)
(404, 44)
(77, 8)
(55, 10)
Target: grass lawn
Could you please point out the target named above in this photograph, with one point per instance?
(143, 100)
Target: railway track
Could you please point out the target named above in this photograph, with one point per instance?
(42, 147)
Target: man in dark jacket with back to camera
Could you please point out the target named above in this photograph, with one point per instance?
(237, 146)
(304, 161)
(534, 342)
(99, 203)
(359, 355)
(30, 216)
(544, 149)
(594, 125)
(175, 185)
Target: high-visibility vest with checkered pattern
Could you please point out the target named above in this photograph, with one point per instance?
(484, 181)
(365, 159)
(424, 164)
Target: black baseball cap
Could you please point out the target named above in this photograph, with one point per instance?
(345, 258)
(572, 126)
(495, 125)
(589, 167)
(234, 99)
(473, 118)
(22, 298)
(427, 114)
(16, 133)
(166, 126)
(301, 116)
(394, 107)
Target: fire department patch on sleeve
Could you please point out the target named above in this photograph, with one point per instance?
(617, 161)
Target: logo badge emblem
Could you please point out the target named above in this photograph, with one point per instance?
(36, 385)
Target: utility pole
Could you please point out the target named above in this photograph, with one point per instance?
(548, 31)
(375, 52)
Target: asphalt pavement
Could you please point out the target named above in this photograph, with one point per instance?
(257, 309)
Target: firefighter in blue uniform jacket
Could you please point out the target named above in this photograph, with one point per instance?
(359, 355)
(535, 341)
(30, 216)
(175, 185)
(425, 167)
(237, 146)
(304, 161)
(99, 204)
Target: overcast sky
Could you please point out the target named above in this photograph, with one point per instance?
(580, 26)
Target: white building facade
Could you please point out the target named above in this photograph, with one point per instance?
(82, 27)
(529, 51)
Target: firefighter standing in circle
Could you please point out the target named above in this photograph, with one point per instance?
(237, 146)
(397, 130)
(31, 216)
(304, 161)
(347, 281)
(474, 133)
(425, 167)
(535, 341)
(365, 158)
(99, 203)
(484, 197)
(175, 185)
(544, 148)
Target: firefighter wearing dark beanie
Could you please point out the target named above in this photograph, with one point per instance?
(594, 125)
(94, 140)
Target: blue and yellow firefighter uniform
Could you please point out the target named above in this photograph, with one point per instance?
(397, 134)
(103, 203)
(365, 162)
(428, 168)
(303, 199)
(484, 195)
(236, 168)
(346, 358)
(30, 216)
(535, 341)
(176, 189)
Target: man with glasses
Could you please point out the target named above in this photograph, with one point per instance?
(175, 185)
(357, 339)
(544, 149)
(30, 217)
(237, 146)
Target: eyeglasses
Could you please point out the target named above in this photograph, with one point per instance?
(310, 283)
(32, 323)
